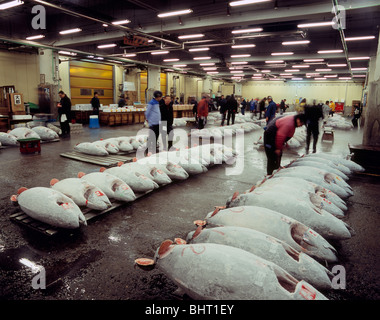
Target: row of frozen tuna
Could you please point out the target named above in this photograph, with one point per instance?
(219, 132)
(60, 204)
(268, 243)
(40, 132)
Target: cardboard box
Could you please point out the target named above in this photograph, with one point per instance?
(15, 102)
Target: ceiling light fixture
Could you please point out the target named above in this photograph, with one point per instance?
(292, 70)
(359, 75)
(358, 69)
(212, 72)
(243, 46)
(240, 56)
(40, 36)
(297, 79)
(67, 53)
(315, 24)
(191, 36)
(313, 60)
(210, 69)
(265, 71)
(159, 52)
(331, 76)
(289, 43)
(323, 78)
(104, 46)
(247, 30)
(245, 2)
(359, 38)
(345, 78)
(330, 51)
(198, 49)
(119, 22)
(282, 53)
(71, 31)
(359, 58)
(207, 64)
(129, 55)
(323, 70)
(174, 13)
(236, 71)
(337, 65)
(274, 61)
(239, 62)
(202, 58)
(300, 66)
(11, 4)
(171, 60)
(179, 65)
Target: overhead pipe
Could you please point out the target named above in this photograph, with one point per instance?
(124, 28)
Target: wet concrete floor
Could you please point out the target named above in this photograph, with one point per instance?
(97, 261)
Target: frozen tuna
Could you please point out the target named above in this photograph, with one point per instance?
(339, 160)
(218, 272)
(108, 145)
(122, 144)
(137, 181)
(90, 148)
(157, 175)
(7, 139)
(298, 264)
(24, 133)
(45, 133)
(112, 186)
(295, 207)
(324, 161)
(83, 193)
(50, 206)
(294, 233)
(173, 170)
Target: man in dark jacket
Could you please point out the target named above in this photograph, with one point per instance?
(271, 110)
(95, 104)
(64, 111)
(243, 105)
(232, 107)
(261, 108)
(312, 114)
(223, 108)
(166, 125)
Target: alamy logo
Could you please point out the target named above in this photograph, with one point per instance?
(339, 280)
(339, 21)
(39, 20)
(39, 280)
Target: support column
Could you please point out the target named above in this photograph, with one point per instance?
(154, 82)
(207, 86)
(49, 75)
(371, 131)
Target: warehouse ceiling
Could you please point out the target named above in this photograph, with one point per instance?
(221, 26)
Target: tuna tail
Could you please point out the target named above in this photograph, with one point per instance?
(102, 169)
(14, 198)
(81, 174)
(82, 219)
(120, 163)
(21, 190)
(53, 182)
(350, 229)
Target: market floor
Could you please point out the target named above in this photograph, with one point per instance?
(97, 261)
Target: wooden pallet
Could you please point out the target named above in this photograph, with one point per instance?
(105, 161)
(48, 230)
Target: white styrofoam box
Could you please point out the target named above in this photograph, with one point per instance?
(22, 117)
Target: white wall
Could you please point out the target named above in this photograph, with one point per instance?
(310, 90)
(21, 70)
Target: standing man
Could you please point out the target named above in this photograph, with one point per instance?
(153, 117)
(64, 111)
(312, 114)
(283, 106)
(232, 107)
(261, 107)
(332, 107)
(223, 109)
(166, 110)
(278, 132)
(271, 110)
(202, 111)
(95, 104)
(243, 106)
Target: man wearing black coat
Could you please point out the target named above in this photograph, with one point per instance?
(95, 103)
(223, 108)
(166, 126)
(312, 114)
(232, 107)
(64, 111)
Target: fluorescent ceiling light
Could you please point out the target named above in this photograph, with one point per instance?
(315, 24)
(207, 64)
(40, 36)
(105, 25)
(330, 51)
(256, 77)
(99, 58)
(160, 52)
(320, 78)
(322, 70)
(300, 66)
(70, 31)
(236, 71)
(274, 61)
(331, 76)
(245, 2)
(169, 70)
(359, 58)
(358, 69)
(103, 46)
(119, 22)
(179, 65)
(236, 68)
(129, 55)
(265, 71)
(174, 13)
(243, 46)
(337, 65)
(359, 38)
(191, 36)
(236, 77)
(289, 43)
(276, 79)
(297, 79)
(313, 60)
(171, 60)
(282, 53)
(212, 72)
(198, 49)
(285, 74)
(247, 30)
(239, 62)
(202, 58)
(359, 75)
(10, 4)
(67, 53)
(345, 78)
(210, 69)
(240, 55)
(291, 70)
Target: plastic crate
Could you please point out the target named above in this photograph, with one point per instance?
(30, 145)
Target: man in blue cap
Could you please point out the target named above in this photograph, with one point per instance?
(153, 117)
